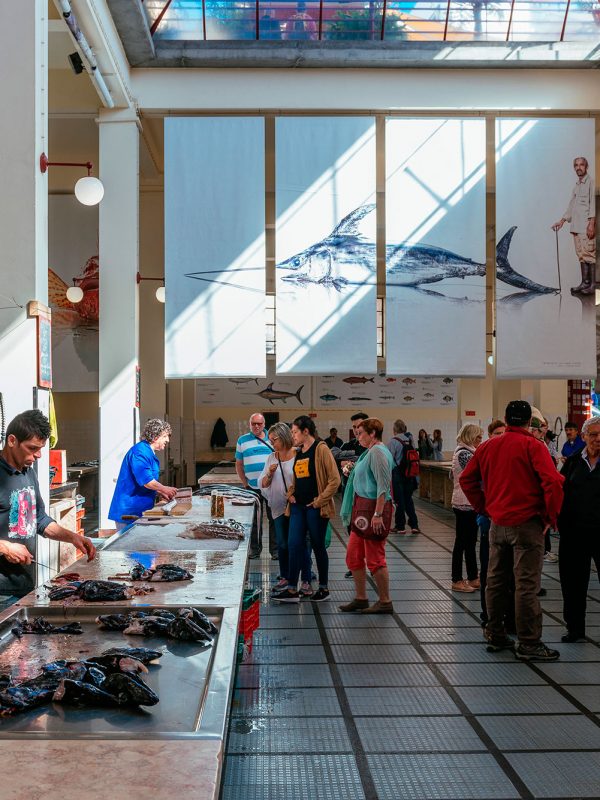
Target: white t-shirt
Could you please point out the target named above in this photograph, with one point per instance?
(276, 494)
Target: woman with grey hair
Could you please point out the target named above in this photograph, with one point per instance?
(138, 485)
(274, 481)
(469, 437)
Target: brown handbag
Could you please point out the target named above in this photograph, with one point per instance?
(362, 514)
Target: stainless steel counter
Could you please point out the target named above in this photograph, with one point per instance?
(194, 683)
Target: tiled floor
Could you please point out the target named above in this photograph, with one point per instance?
(335, 706)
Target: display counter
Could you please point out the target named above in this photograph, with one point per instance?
(174, 747)
(224, 474)
(435, 482)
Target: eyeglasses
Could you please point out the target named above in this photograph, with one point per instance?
(273, 438)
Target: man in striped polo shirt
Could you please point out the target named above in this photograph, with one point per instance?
(251, 452)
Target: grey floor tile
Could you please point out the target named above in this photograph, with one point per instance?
(273, 676)
(267, 736)
(492, 674)
(410, 734)
(572, 673)
(505, 700)
(366, 636)
(543, 733)
(287, 621)
(281, 636)
(284, 777)
(471, 634)
(464, 653)
(285, 702)
(358, 621)
(386, 675)
(294, 654)
(440, 620)
(468, 776)
(419, 595)
(568, 775)
(588, 695)
(579, 651)
(406, 700)
(376, 653)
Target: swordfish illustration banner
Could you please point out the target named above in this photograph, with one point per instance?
(545, 188)
(325, 245)
(435, 247)
(215, 247)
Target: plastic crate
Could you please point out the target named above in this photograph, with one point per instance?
(250, 596)
(250, 620)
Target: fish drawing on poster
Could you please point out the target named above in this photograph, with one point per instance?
(547, 206)
(272, 391)
(325, 242)
(435, 246)
(362, 391)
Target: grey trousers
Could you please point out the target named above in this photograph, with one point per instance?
(518, 550)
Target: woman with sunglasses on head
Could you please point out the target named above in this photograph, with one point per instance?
(315, 482)
(274, 482)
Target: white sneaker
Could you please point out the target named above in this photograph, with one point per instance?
(550, 557)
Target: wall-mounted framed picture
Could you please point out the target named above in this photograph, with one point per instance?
(43, 317)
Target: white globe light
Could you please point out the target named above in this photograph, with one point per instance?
(160, 294)
(490, 359)
(89, 191)
(74, 294)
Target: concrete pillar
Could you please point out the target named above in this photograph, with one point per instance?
(23, 194)
(119, 236)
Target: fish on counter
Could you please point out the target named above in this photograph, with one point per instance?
(142, 654)
(96, 591)
(184, 624)
(215, 529)
(161, 572)
(106, 680)
(41, 626)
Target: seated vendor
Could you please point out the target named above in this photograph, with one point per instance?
(138, 485)
(22, 510)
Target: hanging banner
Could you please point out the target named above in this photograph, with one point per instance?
(546, 251)
(435, 247)
(325, 243)
(214, 247)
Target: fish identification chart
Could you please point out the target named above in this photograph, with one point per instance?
(544, 175)
(435, 247)
(361, 391)
(325, 244)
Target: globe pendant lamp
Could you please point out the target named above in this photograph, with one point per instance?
(88, 190)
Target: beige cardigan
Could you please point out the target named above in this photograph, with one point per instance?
(328, 481)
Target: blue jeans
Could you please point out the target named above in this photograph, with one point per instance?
(282, 526)
(305, 522)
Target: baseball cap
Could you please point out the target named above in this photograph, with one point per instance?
(518, 412)
(537, 419)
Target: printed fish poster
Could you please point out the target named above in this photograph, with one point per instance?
(214, 246)
(361, 391)
(546, 250)
(325, 245)
(435, 247)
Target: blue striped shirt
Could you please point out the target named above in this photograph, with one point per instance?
(253, 453)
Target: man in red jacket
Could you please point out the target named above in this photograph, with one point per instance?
(513, 480)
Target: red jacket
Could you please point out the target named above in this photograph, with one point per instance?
(519, 477)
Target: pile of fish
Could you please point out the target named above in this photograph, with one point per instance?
(184, 624)
(42, 626)
(111, 679)
(96, 591)
(161, 572)
(215, 529)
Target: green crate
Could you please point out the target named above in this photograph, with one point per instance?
(250, 597)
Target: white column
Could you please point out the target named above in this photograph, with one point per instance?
(119, 236)
(23, 194)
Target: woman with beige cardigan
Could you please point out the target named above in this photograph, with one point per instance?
(315, 481)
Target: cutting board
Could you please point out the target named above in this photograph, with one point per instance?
(179, 510)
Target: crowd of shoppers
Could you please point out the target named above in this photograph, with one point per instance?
(512, 489)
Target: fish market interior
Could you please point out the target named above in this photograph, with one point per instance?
(299, 410)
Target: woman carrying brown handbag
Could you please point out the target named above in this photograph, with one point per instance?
(367, 507)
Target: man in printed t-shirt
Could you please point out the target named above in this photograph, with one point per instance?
(251, 453)
(22, 511)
